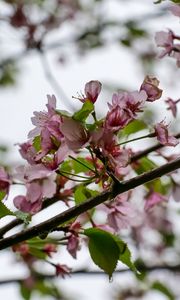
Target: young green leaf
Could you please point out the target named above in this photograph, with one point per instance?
(103, 249)
(84, 112)
(125, 254)
(4, 211)
(2, 195)
(82, 193)
(157, 285)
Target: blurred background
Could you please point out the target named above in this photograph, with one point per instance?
(55, 47)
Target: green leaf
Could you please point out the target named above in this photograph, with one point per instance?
(84, 112)
(26, 218)
(66, 166)
(4, 211)
(2, 195)
(37, 143)
(133, 127)
(125, 254)
(25, 292)
(158, 1)
(82, 166)
(39, 243)
(163, 289)
(37, 252)
(103, 249)
(47, 288)
(82, 193)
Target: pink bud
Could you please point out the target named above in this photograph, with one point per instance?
(92, 90)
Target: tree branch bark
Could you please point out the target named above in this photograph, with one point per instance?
(46, 226)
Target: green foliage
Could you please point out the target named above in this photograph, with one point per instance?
(48, 289)
(8, 74)
(80, 165)
(103, 249)
(125, 254)
(82, 193)
(157, 285)
(37, 143)
(84, 112)
(4, 211)
(25, 292)
(133, 127)
(107, 249)
(2, 195)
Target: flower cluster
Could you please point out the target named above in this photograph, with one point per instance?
(169, 41)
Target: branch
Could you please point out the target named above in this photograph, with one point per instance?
(149, 150)
(40, 276)
(135, 157)
(47, 226)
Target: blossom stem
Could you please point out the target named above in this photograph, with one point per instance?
(138, 138)
(76, 180)
(93, 159)
(75, 175)
(81, 163)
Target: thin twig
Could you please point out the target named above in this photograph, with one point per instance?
(85, 272)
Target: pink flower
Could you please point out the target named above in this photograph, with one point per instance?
(4, 181)
(75, 135)
(117, 118)
(49, 249)
(175, 9)
(124, 109)
(73, 245)
(49, 120)
(28, 152)
(119, 158)
(153, 199)
(92, 91)
(24, 204)
(172, 106)
(165, 40)
(40, 184)
(62, 270)
(121, 213)
(29, 173)
(150, 86)
(161, 131)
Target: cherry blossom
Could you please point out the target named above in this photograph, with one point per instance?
(49, 121)
(74, 133)
(172, 105)
(161, 131)
(121, 213)
(165, 40)
(39, 183)
(153, 199)
(150, 86)
(124, 109)
(92, 90)
(62, 270)
(175, 9)
(4, 181)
